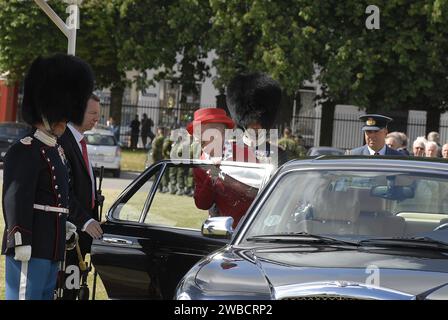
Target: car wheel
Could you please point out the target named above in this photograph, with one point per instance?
(116, 173)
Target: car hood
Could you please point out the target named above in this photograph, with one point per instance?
(291, 272)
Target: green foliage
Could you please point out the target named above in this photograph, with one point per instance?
(400, 66)
(26, 33)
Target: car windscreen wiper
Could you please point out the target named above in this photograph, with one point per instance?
(299, 237)
(420, 242)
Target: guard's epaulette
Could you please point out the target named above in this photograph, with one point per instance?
(27, 140)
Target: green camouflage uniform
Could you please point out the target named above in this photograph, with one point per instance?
(180, 174)
(157, 155)
(292, 148)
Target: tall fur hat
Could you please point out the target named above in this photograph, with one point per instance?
(57, 88)
(253, 98)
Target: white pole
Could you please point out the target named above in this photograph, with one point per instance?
(71, 41)
(70, 30)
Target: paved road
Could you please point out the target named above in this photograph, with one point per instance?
(108, 182)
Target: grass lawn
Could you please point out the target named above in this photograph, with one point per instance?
(133, 160)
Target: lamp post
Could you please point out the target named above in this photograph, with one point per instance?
(69, 27)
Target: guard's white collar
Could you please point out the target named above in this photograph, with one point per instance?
(45, 138)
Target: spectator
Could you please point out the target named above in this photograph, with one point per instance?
(404, 143)
(431, 149)
(392, 140)
(418, 147)
(434, 136)
(135, 130)
(146, 131)
(445, 151)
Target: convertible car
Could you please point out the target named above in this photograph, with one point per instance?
(326, 228)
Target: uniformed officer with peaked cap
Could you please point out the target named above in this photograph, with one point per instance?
(375, 132)
(35, 179)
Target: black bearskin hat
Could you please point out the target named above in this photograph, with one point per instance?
(58, 88)
(253, 98)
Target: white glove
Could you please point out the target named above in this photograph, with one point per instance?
(70, 229)
(23, 253)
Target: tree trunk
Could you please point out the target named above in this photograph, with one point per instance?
(116, 101)
(326, 124)
(432, 120)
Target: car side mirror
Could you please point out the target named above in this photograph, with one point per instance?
(218, 227)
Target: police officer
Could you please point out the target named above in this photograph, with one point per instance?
(36, 181)
(375, 132)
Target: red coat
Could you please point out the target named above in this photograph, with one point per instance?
(231, 197)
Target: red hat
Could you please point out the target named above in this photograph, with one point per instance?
(210, 115)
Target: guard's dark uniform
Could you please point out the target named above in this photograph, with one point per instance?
(35, 175)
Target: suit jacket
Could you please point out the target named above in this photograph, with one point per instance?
(80, 183)
(364, 151)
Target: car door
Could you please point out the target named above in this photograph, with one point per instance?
(152, 234)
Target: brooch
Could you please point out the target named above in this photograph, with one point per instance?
(62, 155)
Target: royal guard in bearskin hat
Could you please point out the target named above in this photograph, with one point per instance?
(253, 101)
(36, 180)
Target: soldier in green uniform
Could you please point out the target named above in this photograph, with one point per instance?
(170, 177)
(290, 146)
(157, 154)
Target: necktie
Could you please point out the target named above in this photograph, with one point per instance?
(87, 163)
(377, 154)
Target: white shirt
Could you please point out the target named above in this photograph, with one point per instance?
(78, 137)
(382, 151)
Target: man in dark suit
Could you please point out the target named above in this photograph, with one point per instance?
(375, 132)
(83, 187)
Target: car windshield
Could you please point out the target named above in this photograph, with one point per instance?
(100, 140)
(13, 132)
(354, 204)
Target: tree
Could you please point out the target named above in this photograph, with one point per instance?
(25, 33)
(115, 36)
(267, 36)
(401, 66)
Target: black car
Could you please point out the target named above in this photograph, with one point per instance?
(327, 228)
(10, 132)
(152, 235)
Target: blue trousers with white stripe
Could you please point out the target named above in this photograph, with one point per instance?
(32, 280)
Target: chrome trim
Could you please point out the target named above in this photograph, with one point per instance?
(340, 289)
(117, 241)
(217, 227)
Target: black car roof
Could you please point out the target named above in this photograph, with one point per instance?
(368, 162)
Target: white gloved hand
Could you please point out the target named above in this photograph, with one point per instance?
(70, 229)
(23, 253)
